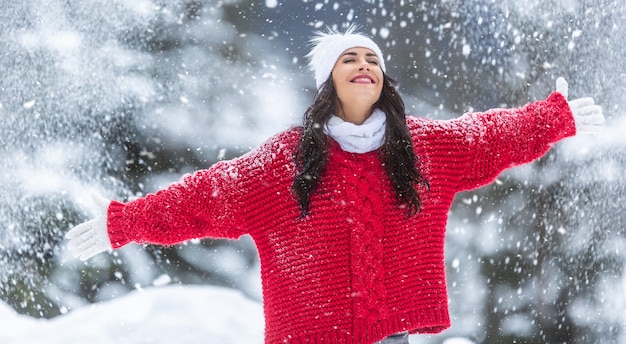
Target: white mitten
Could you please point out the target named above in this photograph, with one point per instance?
(587, 116)
(91, 237)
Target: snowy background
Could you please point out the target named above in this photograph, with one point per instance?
(123, 97)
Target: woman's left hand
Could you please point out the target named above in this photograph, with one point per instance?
(587, 115)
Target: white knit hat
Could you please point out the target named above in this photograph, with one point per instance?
(328, 46)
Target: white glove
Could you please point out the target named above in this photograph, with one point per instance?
(91, 237)
(587, 116)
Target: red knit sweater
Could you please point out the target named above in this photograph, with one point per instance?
(356, 269)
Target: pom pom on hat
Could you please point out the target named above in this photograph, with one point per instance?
(328, 46)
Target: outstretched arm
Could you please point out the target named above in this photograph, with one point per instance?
(208, 203)
(199, 205)
(501, 138)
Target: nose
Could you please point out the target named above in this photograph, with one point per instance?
(364, 65)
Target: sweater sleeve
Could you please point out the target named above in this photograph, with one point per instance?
(207, 203)
(503, 138)
(472, 150)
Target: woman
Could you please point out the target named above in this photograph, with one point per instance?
(348, 213)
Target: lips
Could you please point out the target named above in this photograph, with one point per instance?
(363, 79)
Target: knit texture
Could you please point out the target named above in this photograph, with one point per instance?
(356, 269)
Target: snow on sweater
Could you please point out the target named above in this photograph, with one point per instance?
(356, 269)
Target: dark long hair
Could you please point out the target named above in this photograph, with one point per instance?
(396, 153)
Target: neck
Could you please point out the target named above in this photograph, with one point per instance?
(354, 112)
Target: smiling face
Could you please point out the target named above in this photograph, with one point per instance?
(358, 79)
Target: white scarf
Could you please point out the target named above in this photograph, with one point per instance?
(354, 138)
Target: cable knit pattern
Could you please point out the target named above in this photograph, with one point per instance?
(363, 184)
(355, 270)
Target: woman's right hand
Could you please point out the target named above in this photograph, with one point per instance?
(90, 238)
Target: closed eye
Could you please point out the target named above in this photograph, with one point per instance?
(350, 60)
(350, 57)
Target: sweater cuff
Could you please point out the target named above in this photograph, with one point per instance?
(559, 103)
(115, 227)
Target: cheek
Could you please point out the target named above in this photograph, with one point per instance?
(340, 87)
(380, 84)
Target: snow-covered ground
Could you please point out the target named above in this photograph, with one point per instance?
(172, 314)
